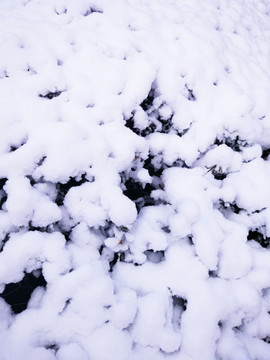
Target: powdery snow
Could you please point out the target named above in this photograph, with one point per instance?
(134, 180)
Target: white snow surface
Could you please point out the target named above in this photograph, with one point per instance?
(134, 178)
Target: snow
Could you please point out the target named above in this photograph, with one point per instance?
(134, 180)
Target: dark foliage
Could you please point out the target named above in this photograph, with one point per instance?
(51, 94)
(63, 188)
(3, 182)
(149, 100)
(17, 295)
(146, 131)
(233, 207)
(190, 94)
(155, 122)
(3, 194)
(154, 168)
(138, 193)
(259, 238)
(212, 273)
(135, 190)
(235, 143)
(14, 148)
(4, 241)
(155, 256)
(179, 302)
(220, 176)
(113, 261)
(92, 10)
(265, 153)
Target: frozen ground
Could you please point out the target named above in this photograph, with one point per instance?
(134, 174)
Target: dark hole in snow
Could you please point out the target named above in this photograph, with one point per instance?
(238, 328)
(220, 176)
(13, 148)
(141, 132)
(179, 306)
(65, 233)
(147, 103)
(118, 257)
(266, 339)
(16, 147)
(41, 161)
(212, 273)
(17, 295)
(266, 292)
(220, 324)
(156, 120)
(92, 10)
(63, 188)
(63, 11)
(190, 240)
(265, 154)
(63, 227)
(154, 256)
(166, 229)
(4, 74)
(106, 230)
(235, 208)
(3, 194)
(53, 347)
(180, 163)
(135, 191)
(51, 94)
(130, 124)
(111, 257)
(31, 70)
(148, 130)
(32, 227)
(259, 238)
(47, 229)
(154, 165)
(166, 126)
(179, 302)
(101, 249)
(114, 261)
(227, 208)
(31, 179)
(183, 132)
(3, 242)
(190, 94)
(67, 302)
(235, 143)
(89, 106)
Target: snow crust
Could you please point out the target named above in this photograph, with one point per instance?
(134, 179)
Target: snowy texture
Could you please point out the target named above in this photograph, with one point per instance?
(134, 180)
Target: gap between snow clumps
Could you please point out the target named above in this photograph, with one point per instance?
(134, 180)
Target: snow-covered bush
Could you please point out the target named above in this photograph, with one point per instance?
(134, 180)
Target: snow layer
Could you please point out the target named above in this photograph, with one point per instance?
(134, 179)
